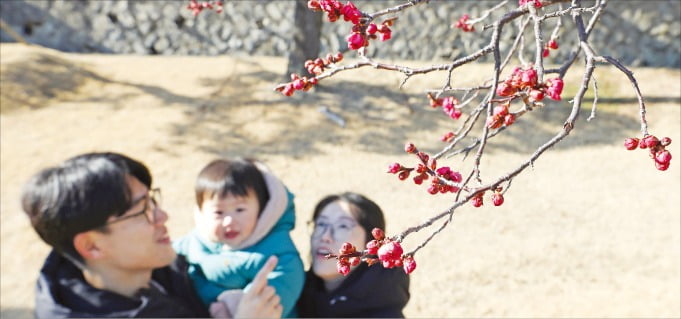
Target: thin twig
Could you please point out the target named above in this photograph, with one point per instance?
(396, 9)
(593, 107)
(487, 12)
(634, 83)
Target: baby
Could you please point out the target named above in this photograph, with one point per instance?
(244, 215)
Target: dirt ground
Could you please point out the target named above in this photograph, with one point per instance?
(591, 230)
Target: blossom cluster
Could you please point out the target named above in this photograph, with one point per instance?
(551, 45)
(657, 148)
(318, 65)
(386, 251)
(361, 32)
(500, 116)
(335, 9)
(450, 105)
(360, 36)
(443, 177)
(197, 7)
(462, 24)
(297, 84)
(497, 198)
(525, 80)
(537, 3)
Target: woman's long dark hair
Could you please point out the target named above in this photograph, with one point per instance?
(367, 213)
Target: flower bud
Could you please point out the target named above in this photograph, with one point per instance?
(378, 233)
(409, 148)
(665, 141)
(497, 199)
(494, 122)
(354, 261)
(500, 110)
(423, 157)
(372, 245)
(403, 174)
(409, 265)
(553, 44)
(509, 119)
(505, 89)
(661, 166)
(651, 141)
(663, 157)
(298, 84)
(444, 171)
(314, 5)
(347, 248)
(432, 163)
(394, 168)
(528, 78)
(372, 28)
(343, 268)
(537, 95)
(447, 137)
(631, 143)
(385, 36)
(477, 200)
(391, 250)
(555, 88)
(288, 89)
(355, 41)
(455, 177)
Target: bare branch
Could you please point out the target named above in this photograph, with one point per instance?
(487, 12)
(593, 107)
(396, 9)
(634, 83)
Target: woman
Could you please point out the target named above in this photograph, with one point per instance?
(365, 292)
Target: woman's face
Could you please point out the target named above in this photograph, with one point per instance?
(334, 226)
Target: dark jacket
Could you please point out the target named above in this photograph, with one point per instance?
(366, 292)
(62, 292)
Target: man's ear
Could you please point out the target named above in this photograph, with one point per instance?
(86, 245)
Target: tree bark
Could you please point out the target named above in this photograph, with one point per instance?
(306, 38)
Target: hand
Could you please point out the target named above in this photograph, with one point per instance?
(219, 310)
(260, 301)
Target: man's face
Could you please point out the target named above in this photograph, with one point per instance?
(135, 243)
(229, 220)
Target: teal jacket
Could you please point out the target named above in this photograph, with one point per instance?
(214, 268)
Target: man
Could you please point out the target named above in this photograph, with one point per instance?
(112, 256)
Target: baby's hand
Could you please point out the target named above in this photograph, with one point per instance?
(218, 310)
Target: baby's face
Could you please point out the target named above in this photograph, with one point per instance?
(230, 219)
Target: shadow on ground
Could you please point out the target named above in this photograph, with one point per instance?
(380, 118)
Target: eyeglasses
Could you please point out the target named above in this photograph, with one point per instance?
(151, 207)
(339, 231)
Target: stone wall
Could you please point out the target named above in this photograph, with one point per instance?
(639, 33)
